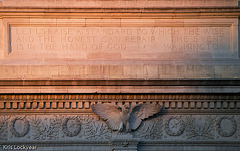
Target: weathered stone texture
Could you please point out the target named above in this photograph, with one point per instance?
(59, 57)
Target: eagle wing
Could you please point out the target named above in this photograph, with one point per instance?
(109, 113)
(141, 112)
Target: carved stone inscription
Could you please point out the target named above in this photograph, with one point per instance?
(119, 42)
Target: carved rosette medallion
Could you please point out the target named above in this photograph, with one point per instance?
(71, 126)
(220, 130)
(174, 126)
(25, 130)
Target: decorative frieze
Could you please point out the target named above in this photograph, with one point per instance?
(91, 128)
(28, 97)
(40, 103)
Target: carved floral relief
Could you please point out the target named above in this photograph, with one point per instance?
(91, 127)
(199, 128)
(45, 129)
(3, 128)
(150, 129)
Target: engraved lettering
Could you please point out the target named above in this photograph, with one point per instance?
(73, 41)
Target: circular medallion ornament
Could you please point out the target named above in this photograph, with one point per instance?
(174, 126)
(220, 129)
(25, 127)
(71, 126)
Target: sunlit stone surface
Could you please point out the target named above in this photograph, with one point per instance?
(59, 57)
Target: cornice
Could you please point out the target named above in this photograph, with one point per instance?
(120, 12)
(163, 82)
(81, 103)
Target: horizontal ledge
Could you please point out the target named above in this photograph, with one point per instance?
(229, 9)
(102, 142)
(169, 82)
(89, 111)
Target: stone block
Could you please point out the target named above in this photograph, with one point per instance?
(2, 106)
(137, 23)
(219, 105)
(67, 105)
(70, 70)
(103, 22)
(74, 105)
(60, 105)
(8, 105)
(212, 105)
(13, 72)
(54, 105)
(150, 71)
(166, 105)
(225, 105)
(47, 105)
(113, 70)
(192, 105)
(205, 105)
(22, 105)
(15, 105)
(34, 105)
(80, 105)
(28, 105)
(238, 105)
(179, 105)
(199, 105)
(185, 105)
(173, 105)
(93, 70)
(133, 71)
(44, 72)
(231, 105)
(227, 71)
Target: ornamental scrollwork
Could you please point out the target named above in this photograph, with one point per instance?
(3, 128)
(71, 126)
(220, 130)
(48, 129)
(174, 126)
(199, 128)
(26, 127)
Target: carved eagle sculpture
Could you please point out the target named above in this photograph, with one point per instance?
(125, 119)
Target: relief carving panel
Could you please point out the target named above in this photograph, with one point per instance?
(91, 128)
